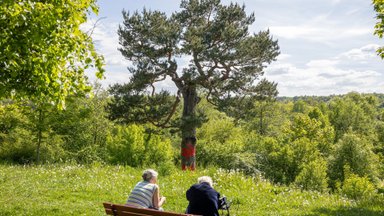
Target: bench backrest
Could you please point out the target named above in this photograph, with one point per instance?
(123, 210)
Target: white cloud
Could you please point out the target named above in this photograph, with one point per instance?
(283, 56)
(322, 34)
(337, 75)
(352, 11)
(324, 25)
(362, 53)
(322, 63)
(335, 1)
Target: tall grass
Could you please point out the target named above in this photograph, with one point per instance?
(81, 190)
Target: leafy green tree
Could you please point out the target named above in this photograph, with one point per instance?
(264, 111)
(304, 151)
(83, 126)
(243, 107)
(43, 51)
(257, 111)
(304, 139)
(127, 145)
(354, 152)
(17, 146)
(379, 145)
(15, 142)
(314, 127)
(266, 117)
(325, 134)
(222, 142)
(313, 176)
(25, 135)
(131, 145)
(224, 58)
(354, 112)
(283, 161)
(379, 27)
(357, 187)
(37, 114)
(300, 106)
(11, 116)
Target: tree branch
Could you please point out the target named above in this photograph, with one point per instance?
(208, 99)
(153, 89)
(198, 65)
(164, 124)
(175, 78)
(90, 31)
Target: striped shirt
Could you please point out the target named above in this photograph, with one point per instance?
(142, 194)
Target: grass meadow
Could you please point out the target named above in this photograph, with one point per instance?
(81, 190)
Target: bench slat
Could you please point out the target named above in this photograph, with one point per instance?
(124, 210)
(108, 208)
(121, 208)
(109, 211)
(130, 214)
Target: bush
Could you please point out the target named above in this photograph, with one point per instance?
(356, 187)
(282, 162)
(158, 150)
(313, 176)
(130, 145)
(126, 145)
(18, 146)
(221, 144)
(354, 151)
(51, 149)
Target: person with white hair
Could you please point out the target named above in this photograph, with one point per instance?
(146, 193)
(203, 199)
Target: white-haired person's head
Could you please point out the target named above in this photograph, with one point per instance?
(205, 179)
(150, 175)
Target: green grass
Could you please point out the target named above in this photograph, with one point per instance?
(81, 190)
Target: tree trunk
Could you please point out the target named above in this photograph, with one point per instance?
(261, 129)
(39, 136)
(188, 128)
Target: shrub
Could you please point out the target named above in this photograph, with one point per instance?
(282, 162)
(126, 145)
(130, 145)
(313, 176)
(221, 144)
(356, 187)
(17, 146)
(353, 151)
(20, 146)
(158, 150)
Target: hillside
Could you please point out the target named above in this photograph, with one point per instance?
(80, 190)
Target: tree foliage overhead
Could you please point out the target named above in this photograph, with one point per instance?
(43, 51)
(379, 27)
(223, 58)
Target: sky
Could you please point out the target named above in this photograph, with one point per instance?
(327, 46)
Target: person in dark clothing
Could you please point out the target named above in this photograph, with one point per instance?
(203, 199)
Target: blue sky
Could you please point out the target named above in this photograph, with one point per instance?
(327, 47)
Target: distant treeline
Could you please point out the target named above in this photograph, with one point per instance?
(322, 98)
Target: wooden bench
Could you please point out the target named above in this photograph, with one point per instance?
(123, 210)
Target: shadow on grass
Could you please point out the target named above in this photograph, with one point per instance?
(347, 211)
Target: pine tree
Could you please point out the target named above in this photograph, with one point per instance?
(224, 60)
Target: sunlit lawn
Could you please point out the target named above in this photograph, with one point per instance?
(81, 190)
